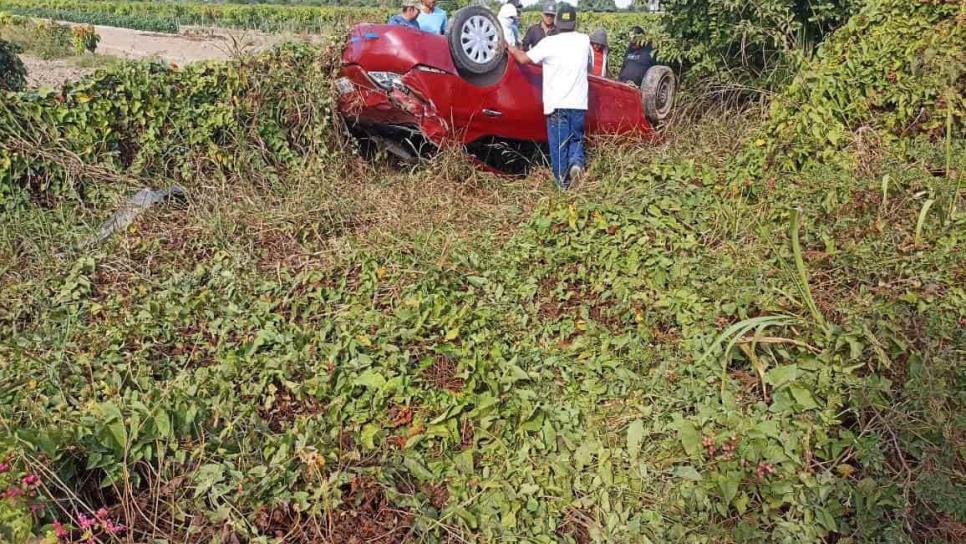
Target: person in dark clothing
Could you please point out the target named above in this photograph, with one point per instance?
(542, 29)
(638, 59)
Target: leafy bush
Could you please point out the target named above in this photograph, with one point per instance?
(577, 382)
(47, 38)
(85, 39)
(895, 69)
(744, 40)
(148, 117)
(13, 74)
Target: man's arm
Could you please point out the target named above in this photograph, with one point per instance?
(519, 55)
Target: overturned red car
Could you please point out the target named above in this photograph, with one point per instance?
(409, 92)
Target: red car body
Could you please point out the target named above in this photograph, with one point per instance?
(443, 105)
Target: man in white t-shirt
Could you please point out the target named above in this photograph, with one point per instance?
(509, 17)
(566, 58)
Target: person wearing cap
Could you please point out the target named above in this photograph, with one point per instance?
(566, 58)
(509, 17)
(598, 41)
(408, 15)
(638, 59)
(542, 29)
(431, 18)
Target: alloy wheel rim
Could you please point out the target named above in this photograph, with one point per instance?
(479, 39)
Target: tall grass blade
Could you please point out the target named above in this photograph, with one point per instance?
(885, 192)
(949, 163)
(802, 272)
(921, 222)
(739, 329)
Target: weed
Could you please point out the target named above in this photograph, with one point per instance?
(319, 349)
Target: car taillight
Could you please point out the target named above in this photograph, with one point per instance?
(387, 80)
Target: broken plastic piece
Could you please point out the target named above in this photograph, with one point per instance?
(142, 200)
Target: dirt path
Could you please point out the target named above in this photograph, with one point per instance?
(192, 44)
(51, 73)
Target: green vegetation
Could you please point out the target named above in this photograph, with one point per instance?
(745, 333)
(85, 39)
(47, 39)
(169, 16)
(851, 97)
(12, 72)
(741, 40)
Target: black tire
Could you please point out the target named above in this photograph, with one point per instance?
(479, 23)
(657, 93)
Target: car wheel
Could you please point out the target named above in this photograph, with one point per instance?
(657, 93)
(476, 41)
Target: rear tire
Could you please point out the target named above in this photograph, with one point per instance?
(657, 93)
(476, 41)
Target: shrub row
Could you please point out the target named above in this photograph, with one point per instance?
(149, 119)
(895, 69)
(168, 16)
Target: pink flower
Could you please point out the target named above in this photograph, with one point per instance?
(85, 522)
(31, 480)
(4, 467)
(112, 528)
(12, 491)
(101, 514)
(59, 530)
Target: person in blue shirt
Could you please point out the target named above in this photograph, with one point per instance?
(408, 15)
(431, 18)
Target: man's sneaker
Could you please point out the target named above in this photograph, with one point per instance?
(576, 176)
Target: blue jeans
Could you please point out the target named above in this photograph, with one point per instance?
(565, 134)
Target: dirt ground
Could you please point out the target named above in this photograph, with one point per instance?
(190, 45)
(51, 73)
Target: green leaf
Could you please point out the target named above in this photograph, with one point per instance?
(476, 281)
(728, 484)
(803, 397)
(371, 379)
(781, 375)
(741, 502)
(119, 433)
(826, 519)
(368, 435)
(635, 435)
(768, 428)
(688, 472)
(163, 424)
(517, 374)
(207, 476)
(690, 437)
(584, 455)
(417, 469)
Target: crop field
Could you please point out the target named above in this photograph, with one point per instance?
(751, 330)
(169, 16)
